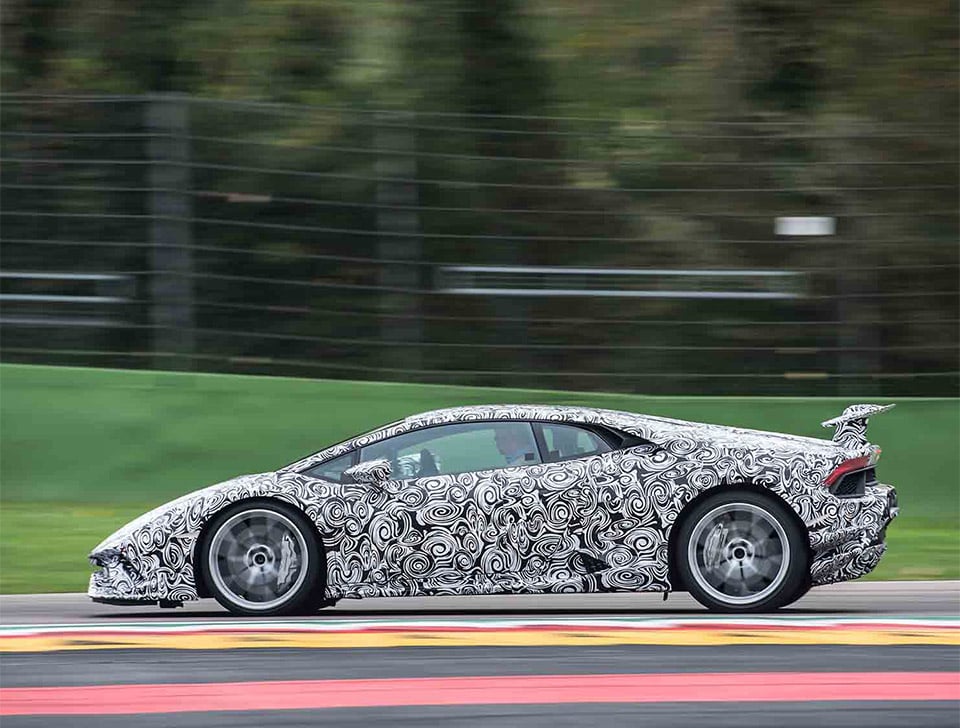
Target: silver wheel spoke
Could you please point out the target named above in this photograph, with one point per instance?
(235, 561)
(243, 538)
(768, 568)
(728, 571)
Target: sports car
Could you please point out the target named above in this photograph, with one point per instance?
(520, 499)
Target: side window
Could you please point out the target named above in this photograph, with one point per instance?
(564, 442)
(457, 448)
(331, 469)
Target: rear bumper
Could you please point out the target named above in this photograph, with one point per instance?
(853, 543)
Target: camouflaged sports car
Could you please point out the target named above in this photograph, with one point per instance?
(520, 499)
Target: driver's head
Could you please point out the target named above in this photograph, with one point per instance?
(510, 442)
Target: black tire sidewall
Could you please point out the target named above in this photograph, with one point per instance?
(309, 594)
(797, 577)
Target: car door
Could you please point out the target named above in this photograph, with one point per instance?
(464, 508)
(575, 461)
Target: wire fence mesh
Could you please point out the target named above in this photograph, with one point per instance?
(181, 232)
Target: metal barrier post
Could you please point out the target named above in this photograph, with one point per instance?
(399, 225)
(171, 253)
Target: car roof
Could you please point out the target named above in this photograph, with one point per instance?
(630, 422)
(559, 412)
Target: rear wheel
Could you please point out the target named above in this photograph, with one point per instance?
(263, 558)
(742, 551)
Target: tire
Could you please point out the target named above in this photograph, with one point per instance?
(263, 558)
(805, 586)
(742, 551)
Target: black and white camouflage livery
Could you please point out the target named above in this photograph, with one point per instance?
(597, 523)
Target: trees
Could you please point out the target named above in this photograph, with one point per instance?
(548, 132)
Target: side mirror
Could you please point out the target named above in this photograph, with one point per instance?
(372, 472)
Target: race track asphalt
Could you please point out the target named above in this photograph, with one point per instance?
(873, 654)
(850, 599)
(660, 715)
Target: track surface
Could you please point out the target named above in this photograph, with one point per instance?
(905, 669)
(853, 599)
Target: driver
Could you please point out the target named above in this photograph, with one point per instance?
(512, 444)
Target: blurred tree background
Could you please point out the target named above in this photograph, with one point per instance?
(326, 137)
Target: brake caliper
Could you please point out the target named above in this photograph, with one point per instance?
(713, 546)
(289, 562)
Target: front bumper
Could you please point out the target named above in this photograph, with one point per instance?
(117, 580)
(126, 578)
(852, 545)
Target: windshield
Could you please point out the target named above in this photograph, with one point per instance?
(317, 455)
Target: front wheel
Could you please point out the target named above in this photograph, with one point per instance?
(263, 558)
(742, 551)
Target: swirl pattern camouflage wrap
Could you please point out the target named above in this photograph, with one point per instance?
(602, 522)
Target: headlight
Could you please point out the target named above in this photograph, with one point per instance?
(106, 557)
(111, 558)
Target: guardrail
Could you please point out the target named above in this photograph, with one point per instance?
(62, 299)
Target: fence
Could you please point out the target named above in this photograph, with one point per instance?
(178, 232)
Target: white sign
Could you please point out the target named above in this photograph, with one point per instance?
(806, 226)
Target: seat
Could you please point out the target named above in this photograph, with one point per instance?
(565, 440)
(428, 464)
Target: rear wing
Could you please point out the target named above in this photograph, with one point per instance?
(851, 426)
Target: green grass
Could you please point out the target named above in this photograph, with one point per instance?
(44, 546)
(920, 548)
(120, 442)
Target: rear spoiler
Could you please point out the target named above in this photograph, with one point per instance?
(851, 426)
